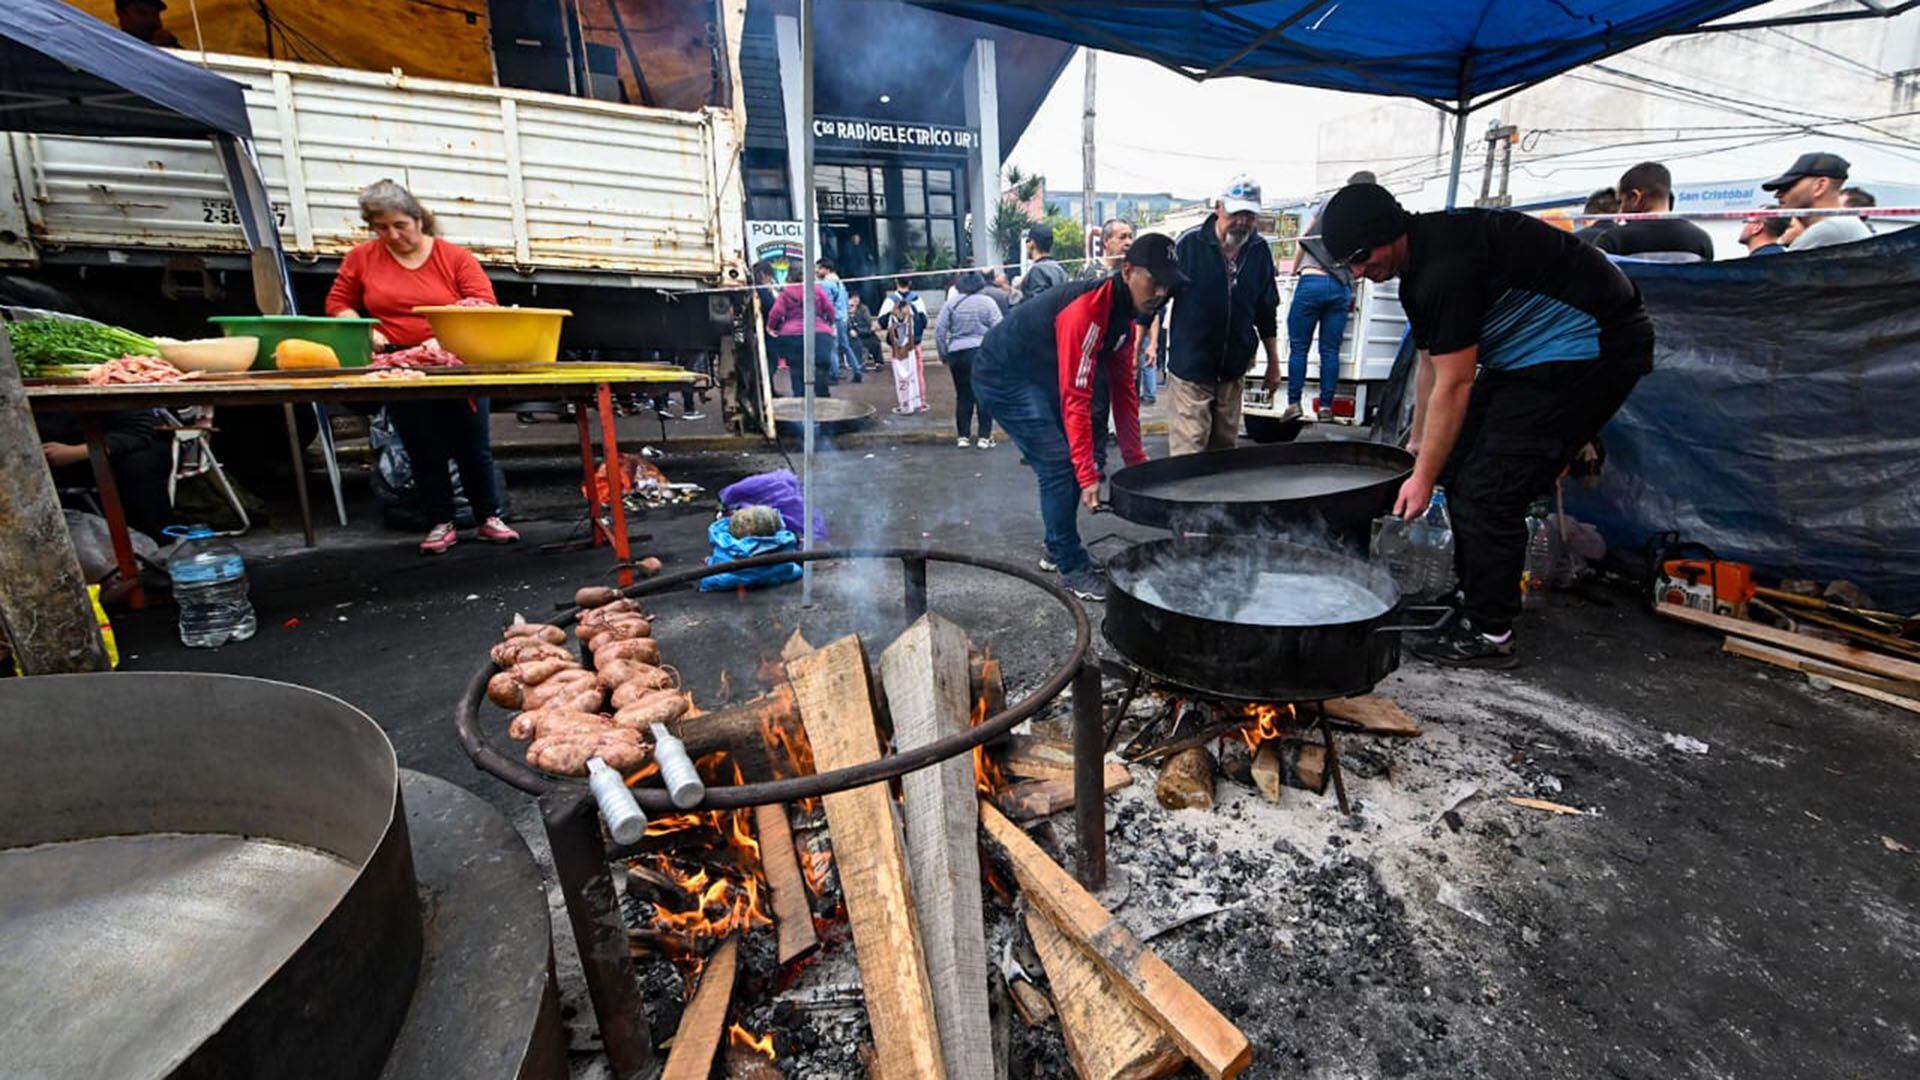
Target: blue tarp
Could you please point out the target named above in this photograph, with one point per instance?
(65, 72)
(1778, 424)
(1435, 50)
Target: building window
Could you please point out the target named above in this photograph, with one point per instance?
(767, 195)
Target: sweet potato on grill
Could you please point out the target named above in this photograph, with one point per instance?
(644, 649)
(642, 679)
(593, 596)
(655, 707)
(568, 754)
(538, 631)
(522, 649)
(540, 723)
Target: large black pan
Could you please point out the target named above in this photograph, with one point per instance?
(1177, 609)
(1329, 487)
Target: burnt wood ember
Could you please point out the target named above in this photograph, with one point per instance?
(1186, 780)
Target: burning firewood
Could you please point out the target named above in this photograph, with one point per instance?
(1107, 1036)
(1206, 1037)
(1267, 771)
(1186, 780)
(791, 915)
(705, 1018)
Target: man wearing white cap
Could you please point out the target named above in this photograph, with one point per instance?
(1231, 301)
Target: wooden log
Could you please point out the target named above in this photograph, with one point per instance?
(1873, 663)
(1310, 768)
(704, 1022)
(1186, 780)
(792, 916)
(739, 731)
(1029, 800)
(647, 885)
(1793, 661)
(926, 675)
(833, 692)
(1108, 1037)
(1266, 770)
(1373, 715)
(1032, 1003)
(44, 606)
(1205, 1036)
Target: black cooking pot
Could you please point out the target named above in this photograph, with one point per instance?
(1192, 611)
(1322, 489)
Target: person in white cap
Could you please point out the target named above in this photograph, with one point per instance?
(1231, 301)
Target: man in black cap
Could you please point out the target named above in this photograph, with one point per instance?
(1815, 183)
(1035, 374)
(1557, 337)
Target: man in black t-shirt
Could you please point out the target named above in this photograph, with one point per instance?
(1557, 337)
(1647, 188)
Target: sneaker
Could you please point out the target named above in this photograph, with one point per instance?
(985, 443)
(1322, 411)
(1085, 584)
(495, 531)
(440, 539)
(1463, 646)
(1292, 413)
(964, 442)
(694, 415)
(1093, 562)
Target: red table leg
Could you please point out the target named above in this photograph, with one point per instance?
(110, 504)
(581, 409)
(621, 549)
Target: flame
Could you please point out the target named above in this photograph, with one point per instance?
(738, 1035)
(988, 778)
(1268, 722)
(730, 895)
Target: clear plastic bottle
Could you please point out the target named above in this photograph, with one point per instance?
(1538, 568)
(210, 586)
(1391, 549)
(1430, 537)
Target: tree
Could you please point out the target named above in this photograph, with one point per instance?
(1069, 239)
(1010, 223)
(1024, 185)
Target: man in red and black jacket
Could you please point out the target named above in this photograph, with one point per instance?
(1035, 373)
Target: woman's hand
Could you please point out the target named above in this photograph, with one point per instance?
(430, 343)
(59, 454)
(1090, 498)
(379, 339)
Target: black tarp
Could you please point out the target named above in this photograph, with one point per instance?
(1781, 423)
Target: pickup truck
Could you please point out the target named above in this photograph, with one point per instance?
(1366, 358)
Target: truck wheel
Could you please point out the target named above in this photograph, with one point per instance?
(1271, 429)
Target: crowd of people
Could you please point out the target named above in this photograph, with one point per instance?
(1815, 181)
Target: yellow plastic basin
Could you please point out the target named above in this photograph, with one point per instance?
(497, 335)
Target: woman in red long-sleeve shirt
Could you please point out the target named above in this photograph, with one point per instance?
(406, 266)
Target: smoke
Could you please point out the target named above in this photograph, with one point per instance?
(1253, 581)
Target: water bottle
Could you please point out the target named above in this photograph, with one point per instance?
(210, 585)
(1538, 568)
(1390, 548)
(1430, 539)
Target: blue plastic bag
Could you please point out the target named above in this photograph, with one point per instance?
(728, 547)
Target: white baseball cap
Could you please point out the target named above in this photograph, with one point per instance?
(1242, 194)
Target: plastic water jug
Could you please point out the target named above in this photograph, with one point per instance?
(210, 586)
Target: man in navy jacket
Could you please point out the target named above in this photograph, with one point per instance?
(1229, 304)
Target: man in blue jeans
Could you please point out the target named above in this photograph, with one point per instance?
(1035, 374)
(843, 354)
(1322, 299)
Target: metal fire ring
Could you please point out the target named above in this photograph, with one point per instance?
(466, 715)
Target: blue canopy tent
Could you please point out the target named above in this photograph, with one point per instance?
(64, 72)
(1456, 55)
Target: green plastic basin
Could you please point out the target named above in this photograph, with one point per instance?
(350, 339)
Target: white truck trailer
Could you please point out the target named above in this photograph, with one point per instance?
(1366, 357)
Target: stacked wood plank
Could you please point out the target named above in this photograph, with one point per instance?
(1853, 669)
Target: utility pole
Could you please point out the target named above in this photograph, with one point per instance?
(1086, 160)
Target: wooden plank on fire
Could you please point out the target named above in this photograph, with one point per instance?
(1030, 800)
(831, 686)
(1209, 1039)
(739, 731)
(1873, 663)
(793, 918)
(1108, 1037)
(1373, 715)
(705, 1020)
(927, 683)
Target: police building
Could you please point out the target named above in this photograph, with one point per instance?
(913, 113)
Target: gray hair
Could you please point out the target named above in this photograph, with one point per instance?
(387, 197)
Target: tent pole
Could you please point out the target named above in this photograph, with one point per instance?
(1459, 150)
(806, 276)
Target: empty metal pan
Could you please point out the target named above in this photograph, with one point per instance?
(200, 875)
(1321, 490)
